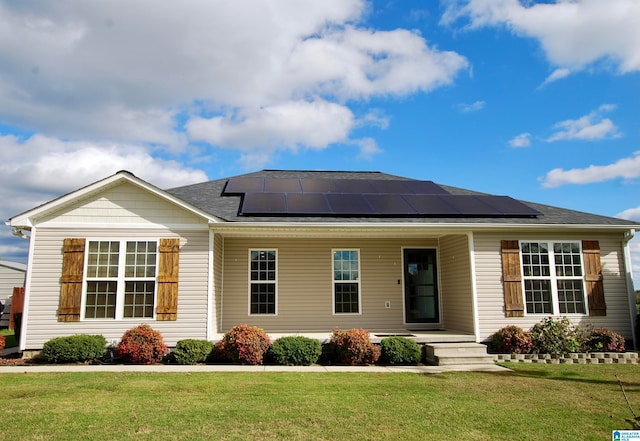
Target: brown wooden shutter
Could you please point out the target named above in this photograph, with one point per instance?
(71, 280)
(593, 278)
(168, 257)
(512, 279)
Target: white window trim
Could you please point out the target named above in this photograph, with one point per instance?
(120, 280)
(333, 283)
(275, 283)
(555, 304)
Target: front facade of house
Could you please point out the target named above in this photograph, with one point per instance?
(294, 256)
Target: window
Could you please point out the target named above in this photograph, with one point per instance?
(263, 278)
(346, 281)
(553, 277)
(120, 279)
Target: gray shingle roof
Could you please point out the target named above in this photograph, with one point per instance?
(208, 197)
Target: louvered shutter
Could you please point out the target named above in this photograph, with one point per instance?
(169, 253)
(593, 278)
(71, 280)
(512, 279)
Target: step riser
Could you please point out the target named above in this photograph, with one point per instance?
(461, 353)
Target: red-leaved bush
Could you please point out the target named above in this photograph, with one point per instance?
(603, 340)
(512, 340)
(243, 344)
(2, 343)
(353, 347)
(142, 345)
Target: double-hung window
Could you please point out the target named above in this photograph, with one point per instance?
(553, 277)
(346, 281)
(262, 281)
(120, 279)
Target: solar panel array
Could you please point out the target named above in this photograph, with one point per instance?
(365, 197)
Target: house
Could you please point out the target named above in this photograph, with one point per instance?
(303, 252)
(12, 275)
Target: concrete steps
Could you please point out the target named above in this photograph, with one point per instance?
(446, 354)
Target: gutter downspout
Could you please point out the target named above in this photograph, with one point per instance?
(628, 236)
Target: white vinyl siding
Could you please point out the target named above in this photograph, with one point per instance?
(456, 297)
(490, 290)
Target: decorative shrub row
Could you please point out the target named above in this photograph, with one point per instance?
(242, 344)
(556, 336)
(78, 348)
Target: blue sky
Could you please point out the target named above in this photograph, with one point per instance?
(537, 100)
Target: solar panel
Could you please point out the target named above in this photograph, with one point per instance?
(282, 185)
(264, 203)
(423, 187)
(307, 203)
(354, 204)
(365, 197)
(389, 204)
(244, 185)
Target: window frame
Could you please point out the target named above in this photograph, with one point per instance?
(256, 282)
(121, 279)
(554, 278)
(358, 281)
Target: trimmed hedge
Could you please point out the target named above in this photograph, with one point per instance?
(142, 345)
(511, 340)
(77, 348)
(191, 351)
(295, 351)
(242, 344)
(353, 347)
(400, 350)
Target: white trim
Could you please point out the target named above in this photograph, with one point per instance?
(14, 265)
(27, 291)
(628, 268)
(211, 285)
(474, 286)
(425, 325)
(553, 279)
(274, 283)
(121, 226)
(333, 283)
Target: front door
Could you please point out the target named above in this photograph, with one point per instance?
(420, 286)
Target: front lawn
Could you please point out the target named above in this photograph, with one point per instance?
(535, 402)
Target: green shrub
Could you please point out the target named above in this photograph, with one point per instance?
(2, 343)
(77, 348)
(295, 351)
(603, 340)
(400, 350)
(551, 336)
(141, 345)
(353, 347)
(242, 344)
(511, 340)
(192, 351)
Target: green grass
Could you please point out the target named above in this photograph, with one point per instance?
(9, 337)
(535, 402)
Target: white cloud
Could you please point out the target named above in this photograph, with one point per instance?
(573, 33)
(627, 168)
(136, 71)
(40, 168)
(522, 140)
(556, 75)
(630, 214)
(368, 148)
(473, 107)
(588, 128)
(286, 125)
